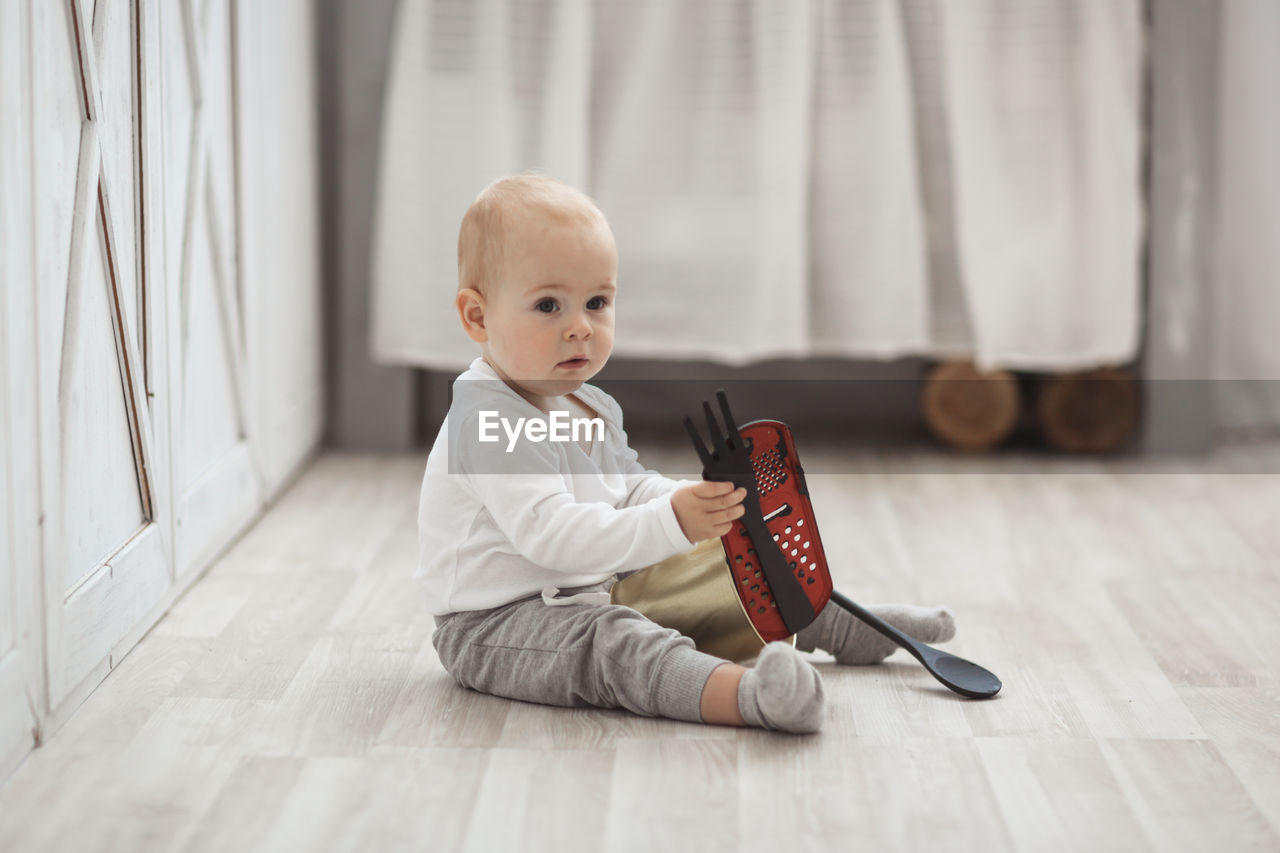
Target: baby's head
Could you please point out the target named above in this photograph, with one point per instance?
(537, 276)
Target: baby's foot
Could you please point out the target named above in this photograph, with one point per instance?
(782, 691)
(854, 642)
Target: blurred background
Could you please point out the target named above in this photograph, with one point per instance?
(823, 201)
(227, 237)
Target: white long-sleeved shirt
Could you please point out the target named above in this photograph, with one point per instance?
(497, 526)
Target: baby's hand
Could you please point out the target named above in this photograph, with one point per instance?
(706, 510)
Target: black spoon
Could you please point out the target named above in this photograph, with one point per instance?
(958, 674)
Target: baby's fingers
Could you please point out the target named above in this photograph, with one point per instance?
(713, 488)
(725, 500)
(722, 519)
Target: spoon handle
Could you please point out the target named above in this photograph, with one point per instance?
(957, 674)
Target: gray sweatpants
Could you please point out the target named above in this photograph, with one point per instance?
(602, 655)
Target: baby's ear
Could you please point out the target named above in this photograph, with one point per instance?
(471, 306)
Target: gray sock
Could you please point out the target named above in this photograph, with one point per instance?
(782, 691)
(854, 642)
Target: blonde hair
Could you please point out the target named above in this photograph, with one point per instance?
(486, 225)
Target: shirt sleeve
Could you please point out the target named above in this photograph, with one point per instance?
(643, 485)
(532, 504)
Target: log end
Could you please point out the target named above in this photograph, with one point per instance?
(970, 409)
(1092, 412)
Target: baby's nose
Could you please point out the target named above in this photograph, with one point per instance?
(579, 327)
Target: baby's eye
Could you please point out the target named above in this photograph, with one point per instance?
(597, 302)
(546, 306)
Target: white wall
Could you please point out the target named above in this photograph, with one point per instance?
(370, 406)
(1246, 286)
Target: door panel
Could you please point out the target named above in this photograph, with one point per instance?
(21, 649)
(106, 560)
(102, 497)
(215, 485)
(211, 411)
(113, 37)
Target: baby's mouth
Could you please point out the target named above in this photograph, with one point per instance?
(573, 363)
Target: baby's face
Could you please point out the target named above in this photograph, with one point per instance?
(549, 316)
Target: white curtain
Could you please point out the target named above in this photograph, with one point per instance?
(876, 178)
(1246, 292)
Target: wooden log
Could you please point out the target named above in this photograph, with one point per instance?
(1092, 412)
(970, 409)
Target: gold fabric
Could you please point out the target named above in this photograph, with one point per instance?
(693, 593)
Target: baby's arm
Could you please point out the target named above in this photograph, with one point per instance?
(704, 509)
(643, 484)
(535, 506)
(546, 523)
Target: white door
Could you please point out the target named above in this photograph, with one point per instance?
(105, 541)
(215, 485)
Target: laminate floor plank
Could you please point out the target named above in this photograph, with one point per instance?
(533, 799)
(1244, 725)
(1206, 632)
(1060, 795)
(919, 793)
(668, 794)
(338, 701)
(260, 651)
(246, 805)
(406, 801)
(793, 792)
(432, 711)
(1186, 796)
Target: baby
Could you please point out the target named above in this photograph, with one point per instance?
(524, 523)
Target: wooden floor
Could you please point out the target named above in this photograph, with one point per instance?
(292, 700)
